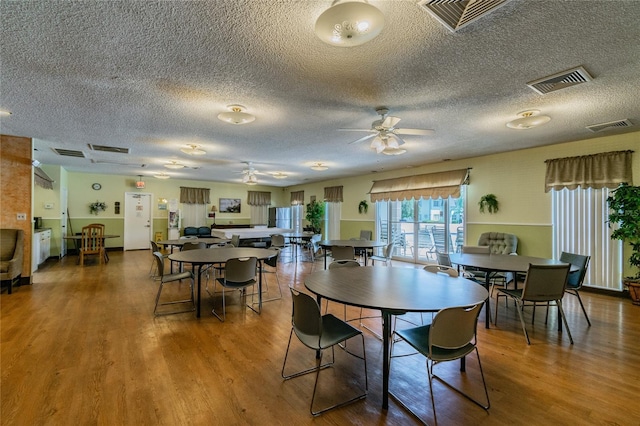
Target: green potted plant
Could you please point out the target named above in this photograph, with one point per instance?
(624, 205)
(315, 212)
(489, 203)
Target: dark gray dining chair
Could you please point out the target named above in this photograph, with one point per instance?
(176, 278)
(238, 275)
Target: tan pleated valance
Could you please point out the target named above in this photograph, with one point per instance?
(604, 170)
(297, 197)
(333, 194)
(259, 198)
(432, 185)
(194, 195)
(42, 179)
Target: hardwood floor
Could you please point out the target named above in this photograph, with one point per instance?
(81, 346)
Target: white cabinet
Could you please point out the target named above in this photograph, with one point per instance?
(41, 248)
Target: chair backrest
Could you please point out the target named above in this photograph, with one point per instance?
(11, 244)
(193, 245)
(365, 234)
(441, 269)
(454, 327)
(545, 282)
(190, 231)
(272, 261)
(443, 259)
(204, 231)
(92, 239)
(240, 270)
(306, 318)
(499, 242)
(579, 261)
(476, 249)
(438, 238)
(343, 264)
(235, 240)
(388, 250)
(343, 253)
(159, 263)
(277, 240)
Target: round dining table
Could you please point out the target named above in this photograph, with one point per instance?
(393, 291)
(209, 241)
(491, 263)
(218, 255)
(366, 245)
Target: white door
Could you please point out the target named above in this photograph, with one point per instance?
(137, 220)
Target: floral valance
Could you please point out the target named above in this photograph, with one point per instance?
(604, 170)
(194, 195)
(431, 185)
(333, 194)
(297, 197)
(259, 198)
(42, 179)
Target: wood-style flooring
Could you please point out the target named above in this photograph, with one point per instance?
(82, 346)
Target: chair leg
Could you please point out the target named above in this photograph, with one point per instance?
(564, 319)
(584, 311)
(524, 328)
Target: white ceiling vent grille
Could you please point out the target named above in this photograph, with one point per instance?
(118, 163)
(561, 80)
(455, 14)
(106, 148)
(68, 152)
(610, 126)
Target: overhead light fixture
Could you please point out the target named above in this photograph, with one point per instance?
(250, 179)
(193, 150)
(161, 176)
(393, 151)
(319, 167)
(349, 23)
(236, 115)
(528, 120)
(174, 165)
(4, 112)
(280, 175)
(140, 183)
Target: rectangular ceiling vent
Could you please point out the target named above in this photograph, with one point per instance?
(68, 152)
(610, 126)
(560, 81)
(455, 14)
(117, 163)
(109, 148)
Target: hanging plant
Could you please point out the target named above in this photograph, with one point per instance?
(97, 207)
(488, 202)
(363, 207)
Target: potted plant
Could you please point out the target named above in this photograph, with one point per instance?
(97, 207)
(488, 202)
(624, 205)
(315, 211)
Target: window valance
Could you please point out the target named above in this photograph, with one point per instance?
(604, 170)
(42, 179)
(194, 195)
(259, 198)
(297, 197)
(333, 194)
(431, 185)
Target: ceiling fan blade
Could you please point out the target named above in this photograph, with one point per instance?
(364, 138)
(416, 132)
(390, 122)
(355, 130)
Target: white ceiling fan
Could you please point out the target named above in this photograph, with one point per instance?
(385, 133)
(250, 173)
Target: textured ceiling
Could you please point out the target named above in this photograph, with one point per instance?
(152, 77)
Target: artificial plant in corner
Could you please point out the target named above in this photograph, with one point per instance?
(315, 211)
(489, 203)
(624, 205)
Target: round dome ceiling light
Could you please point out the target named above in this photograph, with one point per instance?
(349, 23)
(236, 115)
(528, 120)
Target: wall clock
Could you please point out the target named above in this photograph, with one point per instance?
(96, 186)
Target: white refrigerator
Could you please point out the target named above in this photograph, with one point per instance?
(175, 220)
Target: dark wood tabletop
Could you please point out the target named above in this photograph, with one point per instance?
(358, 244)
(394, 291)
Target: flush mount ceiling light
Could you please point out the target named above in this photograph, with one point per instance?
(174, 165)
(349, 23)
(236, 115)
(319, 167)
(280, 175)
(250, 179)
(161, 176)
(193, 150)
(528, 120)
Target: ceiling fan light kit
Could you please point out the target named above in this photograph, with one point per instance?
(528, 119)
(393, 151)
(193, 150)
(349, 23)
(280, 175)
(319, 167)
(174, 165)
(250, 179)
(236, 115)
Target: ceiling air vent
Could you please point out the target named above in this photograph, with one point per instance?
(118, 163)
(455, 14)
(109, 148)
(561, 80)
(610, 126)
(68, 152)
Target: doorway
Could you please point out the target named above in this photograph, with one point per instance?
(137, 220)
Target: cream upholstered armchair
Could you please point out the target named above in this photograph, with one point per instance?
(11, 252)
(499, 242)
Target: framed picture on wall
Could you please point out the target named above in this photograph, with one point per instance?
(229, 205)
